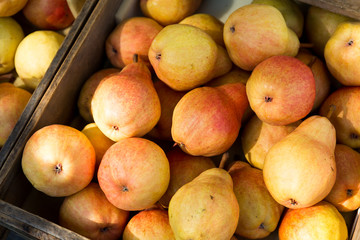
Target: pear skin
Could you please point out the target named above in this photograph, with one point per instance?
(341, 107)
(300, 170)
(126, 104)
(183, 56)
(260, 213)
(345, 194)
(203, 129)
(291, 11)
(209, 24)
(168, 12)
(255, 32)
(205, 208)
(321, 221)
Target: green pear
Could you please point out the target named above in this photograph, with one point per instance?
(291, 11)
(300, 170)
(205, 208)
(320, 24)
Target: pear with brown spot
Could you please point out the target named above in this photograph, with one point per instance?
(205, 208)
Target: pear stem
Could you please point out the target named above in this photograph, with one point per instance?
(135, 58)
(331, 111)
(224, 159)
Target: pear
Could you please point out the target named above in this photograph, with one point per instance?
(126, 104)
(203, 129)
(168, 12)
(255, 32)
(300, 170)
(209, 24)
(185, 57)
(168, 100)
(205, 208)
(260, 213)
(291, 12)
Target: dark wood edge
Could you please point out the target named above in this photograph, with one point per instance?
(31, 226)
(45, 82)
(344, 7)
(355, 231)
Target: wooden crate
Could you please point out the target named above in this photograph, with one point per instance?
(24, 210)
(45, 82)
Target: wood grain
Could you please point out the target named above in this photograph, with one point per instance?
(350, 8)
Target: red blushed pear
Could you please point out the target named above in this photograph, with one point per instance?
(183, 169)
(48, 14)
(90, 214)
(345, 194)
(126, 104)
(255, 32)
(58, 160)
(281, 90)
(321, 75)
(203, 128)
(321, 221)
(13, 101)
(342, 109)
(259, 212)
(149, 224)
(300, 170)
(168, 100)
(134, 174)
(131, 36)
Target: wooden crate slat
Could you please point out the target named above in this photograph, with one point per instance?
(350, 8)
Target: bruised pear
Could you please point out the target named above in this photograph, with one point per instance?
(205, 208)
(300, 170)
(126, 104)
(206, 121)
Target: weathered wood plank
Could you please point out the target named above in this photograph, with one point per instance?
(349, 8)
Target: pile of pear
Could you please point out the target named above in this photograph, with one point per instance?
(201, 85)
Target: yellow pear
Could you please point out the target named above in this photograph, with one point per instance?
(209, 24)
(100, 142)
(184, 57)
(168, 12)
(205, 208)
(258, 137)
(260, 213)
(35, 54)
(11, 35)
(300, 170)
(342, 54)
(11, 7)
